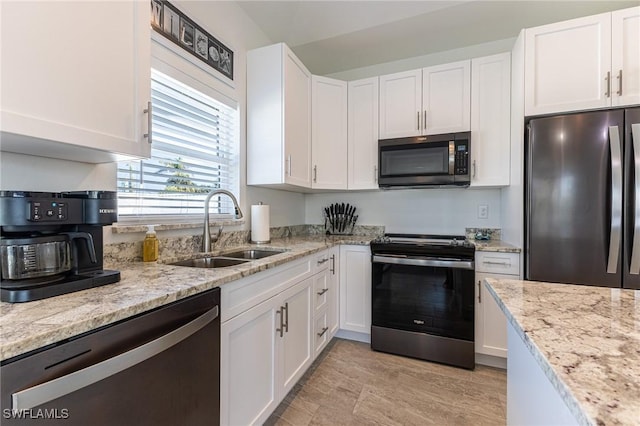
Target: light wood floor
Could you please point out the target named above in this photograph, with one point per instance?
(349, 384)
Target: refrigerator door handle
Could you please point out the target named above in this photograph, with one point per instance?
(616, 199)
(634, 267)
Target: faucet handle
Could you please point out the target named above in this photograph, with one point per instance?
(218, 234)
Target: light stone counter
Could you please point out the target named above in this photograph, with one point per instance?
(143, 286)
(585, 339)
(495, 246)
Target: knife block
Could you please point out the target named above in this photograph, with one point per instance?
(339, 221)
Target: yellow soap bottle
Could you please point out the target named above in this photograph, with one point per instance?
(150, 246)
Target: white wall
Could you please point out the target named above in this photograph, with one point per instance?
(29, 173)
(484, 49)
(429, 211)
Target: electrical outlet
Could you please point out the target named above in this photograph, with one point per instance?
(483, 211)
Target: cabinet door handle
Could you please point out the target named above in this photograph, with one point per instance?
(286, 317)
(479, 292)
(324, 290)
(474, 169)
(418, 120)
(324, 330)
(619, 92)
(149, 112)
(333, 264)
(281, 329)
(608, 79)
(375, 174)
(424, 121)
(315, 174)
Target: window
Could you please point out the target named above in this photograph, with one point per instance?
(194, 151)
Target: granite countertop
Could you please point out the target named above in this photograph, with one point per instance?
(585, 339)
(495, 246)
(143, 286)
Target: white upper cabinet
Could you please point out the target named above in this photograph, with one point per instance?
(329, 133)
(446, 98)
(578, 65)
(490, 120)
(429, 101)
(278, 118)
(400, 104)
(625, 56)
(363, 134)
(75, 79)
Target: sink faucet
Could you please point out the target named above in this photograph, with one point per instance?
(206, 235)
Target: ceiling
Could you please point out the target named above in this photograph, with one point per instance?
(334, 36)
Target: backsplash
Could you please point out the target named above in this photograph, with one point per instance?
(493, 233)
(176, 246)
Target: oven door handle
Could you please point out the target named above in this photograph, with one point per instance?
(425, 261)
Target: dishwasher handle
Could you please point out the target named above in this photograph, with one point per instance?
(424, 261)
(53, 389)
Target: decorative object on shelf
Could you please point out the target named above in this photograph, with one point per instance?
(339, 219)
(169, 21)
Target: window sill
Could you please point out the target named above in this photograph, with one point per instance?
(124, 228)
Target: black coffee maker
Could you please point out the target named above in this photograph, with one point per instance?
(51, 243)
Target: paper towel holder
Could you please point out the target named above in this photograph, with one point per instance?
(267, 241)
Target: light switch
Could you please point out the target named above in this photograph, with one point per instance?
(483, 211)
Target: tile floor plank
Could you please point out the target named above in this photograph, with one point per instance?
(349, 384)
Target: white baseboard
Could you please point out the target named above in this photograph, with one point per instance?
(491, 361)
(354, 335)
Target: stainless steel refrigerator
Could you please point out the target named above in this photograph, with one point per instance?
(582, 198)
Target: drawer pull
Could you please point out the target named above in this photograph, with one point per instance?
(488, 262)
(324, 330)
(325, 260)
(324, 290)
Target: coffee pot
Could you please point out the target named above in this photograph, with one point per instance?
(51, 243)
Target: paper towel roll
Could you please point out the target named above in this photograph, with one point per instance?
(260, 223)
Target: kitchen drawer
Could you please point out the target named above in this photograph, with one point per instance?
(321, 333)
(245, 293)
(321, 261)
(321, 291)
(498, 263)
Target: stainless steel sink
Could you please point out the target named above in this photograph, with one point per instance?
(210, 262)
(252, 254)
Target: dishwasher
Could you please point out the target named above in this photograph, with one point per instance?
(160, 367)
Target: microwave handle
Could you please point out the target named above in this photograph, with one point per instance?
(452, 157)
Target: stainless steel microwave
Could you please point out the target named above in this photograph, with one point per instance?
(433, 160)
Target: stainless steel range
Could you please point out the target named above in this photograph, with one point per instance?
(423, 297)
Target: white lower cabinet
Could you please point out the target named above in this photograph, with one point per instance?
(333, 308)
(272, 330)
(491, 324)
(296, 352)
(355, 288)
(326, 295)
(264, 351)
(248, 364)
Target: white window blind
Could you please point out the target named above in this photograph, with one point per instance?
(194, 151)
